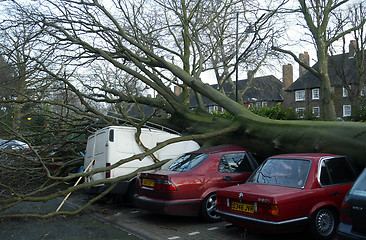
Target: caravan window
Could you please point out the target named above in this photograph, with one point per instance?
(111, 135)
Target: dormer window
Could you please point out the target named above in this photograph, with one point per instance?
(300, 95)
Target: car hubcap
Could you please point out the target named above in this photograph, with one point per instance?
(211, 206)
(325, 222)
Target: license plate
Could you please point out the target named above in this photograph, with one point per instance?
(148, 182)
(242, 207)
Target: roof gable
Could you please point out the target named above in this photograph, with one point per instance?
(265, 88)
(341, 67)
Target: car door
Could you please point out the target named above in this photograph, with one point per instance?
(337, 176)
(357, 200)
(236, 168)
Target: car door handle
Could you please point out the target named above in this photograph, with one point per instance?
(336, 193)
(227, 178)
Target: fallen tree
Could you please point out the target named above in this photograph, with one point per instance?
(78, 37)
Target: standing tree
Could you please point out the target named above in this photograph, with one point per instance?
(20, 43)
(318, 16)
(358, 15)
(249, 40)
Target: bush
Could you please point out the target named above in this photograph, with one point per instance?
(275, 112)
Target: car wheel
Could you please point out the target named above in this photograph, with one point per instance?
(208, 209)
(131, 192)
(323, 224)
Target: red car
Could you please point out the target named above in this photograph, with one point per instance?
(187, 186)
(290, 192)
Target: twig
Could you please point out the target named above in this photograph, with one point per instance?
(77, 182)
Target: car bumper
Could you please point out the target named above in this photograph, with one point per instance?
(120, 189)
(174, 207)
(344, 232)
(265, 225)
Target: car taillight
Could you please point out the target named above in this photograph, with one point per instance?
(220, 201)
(138, 180)
(165, 185)
(268, 209)
(108, 173)
(345, 215)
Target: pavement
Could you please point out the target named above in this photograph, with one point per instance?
(82, 226)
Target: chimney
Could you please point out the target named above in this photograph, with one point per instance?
(177, 90)
(250, 74)
(352, 48)
(287, 75)
(304, 57)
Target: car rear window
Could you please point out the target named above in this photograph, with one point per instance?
(359, 187)
(282, 172)
(187, 162)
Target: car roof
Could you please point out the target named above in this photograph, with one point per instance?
(310, 156)
(222, 148)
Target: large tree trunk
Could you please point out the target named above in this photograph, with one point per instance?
(268, 137)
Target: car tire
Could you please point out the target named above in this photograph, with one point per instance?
(208, 209)
(323, 224)
(131, 192)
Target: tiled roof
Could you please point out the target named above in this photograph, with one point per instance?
(338, 65)
(266, 88)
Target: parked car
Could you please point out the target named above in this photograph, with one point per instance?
(290, 192)
(187, 186)
(12, 145)
(353, 212)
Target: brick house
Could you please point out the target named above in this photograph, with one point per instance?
(305, 94)
(264, 91)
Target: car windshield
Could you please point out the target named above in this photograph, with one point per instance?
(282, 172)
(185, 162)
(359, 187)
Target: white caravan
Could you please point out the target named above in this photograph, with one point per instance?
(114, 143)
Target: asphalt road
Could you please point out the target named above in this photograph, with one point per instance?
(83, 226)
(149, 226)
(117, 221)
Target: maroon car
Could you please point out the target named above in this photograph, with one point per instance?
(187, 186)
(290, 192)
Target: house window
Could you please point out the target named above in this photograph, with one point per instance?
(258, 104)
(300, 95)
(346, 110)
(213, 108)
(315, 93)
(264, 104)
(345, 91)
(300, 112)
(316, 111)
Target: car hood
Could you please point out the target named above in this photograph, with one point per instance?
(253, 192)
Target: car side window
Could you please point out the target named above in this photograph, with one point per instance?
(235, 163)
(187, 162)
(336, 171)
(324, 175)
